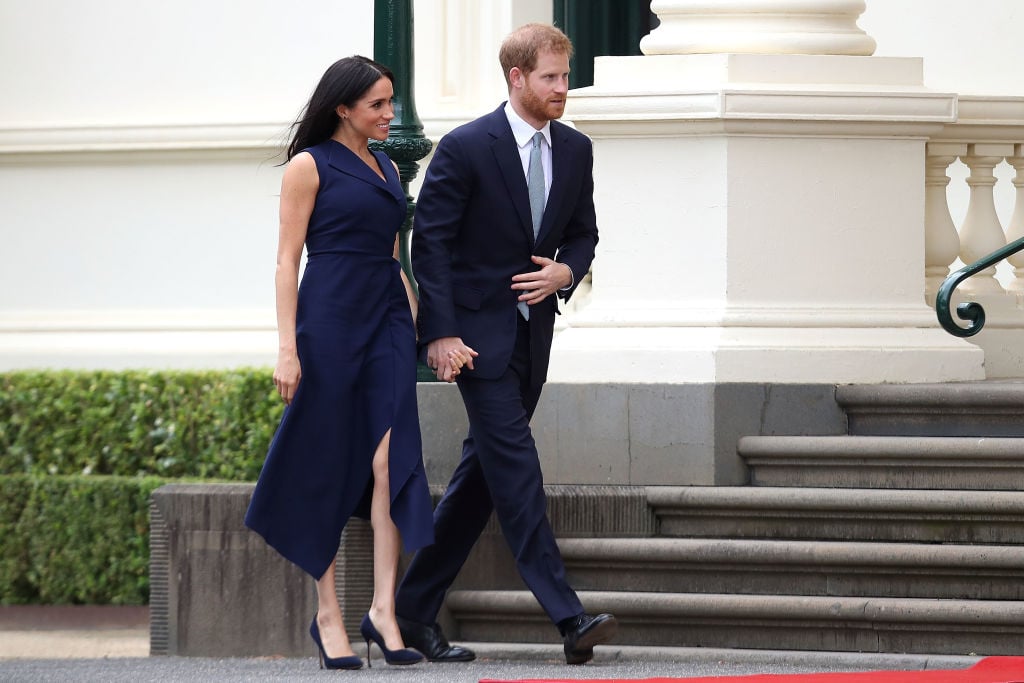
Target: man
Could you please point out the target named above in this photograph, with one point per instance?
(504, 223)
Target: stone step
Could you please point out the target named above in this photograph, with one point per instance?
(843, 624)
(890, 462)
(922, 516)
(591, 510)
(950, 409)
(853, 569)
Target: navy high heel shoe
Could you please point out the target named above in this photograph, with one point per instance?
(397, 657)
(348, 662)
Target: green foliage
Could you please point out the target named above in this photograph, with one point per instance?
(202, 424)
(72, 540)
(80, 453)
(14, 585)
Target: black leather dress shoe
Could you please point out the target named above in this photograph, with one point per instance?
(430, 640)
(584, 632)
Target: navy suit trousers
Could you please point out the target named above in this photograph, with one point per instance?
(499, 471)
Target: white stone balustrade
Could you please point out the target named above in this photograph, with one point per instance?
(981, 232)
(987, 134)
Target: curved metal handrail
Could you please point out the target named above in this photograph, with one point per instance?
(969, 310)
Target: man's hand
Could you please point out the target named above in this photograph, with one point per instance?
(447, 355)
(539, 284)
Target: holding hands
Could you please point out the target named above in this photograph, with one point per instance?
(447, 355)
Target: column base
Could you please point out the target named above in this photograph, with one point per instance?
(762, 354)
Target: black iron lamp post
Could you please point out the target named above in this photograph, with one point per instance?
(406, 144)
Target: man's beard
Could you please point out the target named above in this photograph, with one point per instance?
(540, 109)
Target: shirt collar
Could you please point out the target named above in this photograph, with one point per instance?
(522, 131)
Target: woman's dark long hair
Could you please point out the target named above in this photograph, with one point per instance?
(344, 83)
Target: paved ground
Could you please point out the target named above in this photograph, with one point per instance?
(112, 644)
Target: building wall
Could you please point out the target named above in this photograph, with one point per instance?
(968, 47)
(137, 141)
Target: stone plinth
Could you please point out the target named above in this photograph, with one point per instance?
(217, 590)
(762, 220)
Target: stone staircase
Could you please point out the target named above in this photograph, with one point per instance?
(904, 536)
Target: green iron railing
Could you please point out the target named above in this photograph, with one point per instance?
(969, 310)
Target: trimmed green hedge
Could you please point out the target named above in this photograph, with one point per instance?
(75, 540)
(80, 453)
(202, 424)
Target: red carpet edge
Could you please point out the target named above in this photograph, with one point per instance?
(988, 670)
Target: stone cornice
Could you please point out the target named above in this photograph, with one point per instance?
(148, 320)
(760, 95)
(92, 138)
(986, 119)
(916, 316)
(763, 111)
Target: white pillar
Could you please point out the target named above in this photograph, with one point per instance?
(762, 220)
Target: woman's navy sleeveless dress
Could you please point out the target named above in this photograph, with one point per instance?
(357, 350)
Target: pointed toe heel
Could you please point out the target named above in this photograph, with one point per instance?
(401, 657)
(349, 662)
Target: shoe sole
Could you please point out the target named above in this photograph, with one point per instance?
(601, 633)
(445, 660)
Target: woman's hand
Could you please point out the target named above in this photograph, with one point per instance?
(447, 355)
(459, 357)
(287, 375)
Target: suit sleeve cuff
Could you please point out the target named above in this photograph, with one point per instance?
(572, 279)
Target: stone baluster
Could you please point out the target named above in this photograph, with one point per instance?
(1015, 230)
(941, 241)
(794, 27)
(981, 232)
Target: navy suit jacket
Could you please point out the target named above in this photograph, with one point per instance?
(473, 232)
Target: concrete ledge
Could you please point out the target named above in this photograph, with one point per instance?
(777, 567)
(953, 409)
(217, 589)
(893, 462)
(620, 434)
(953, 627)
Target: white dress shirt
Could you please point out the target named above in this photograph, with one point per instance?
(523, 134)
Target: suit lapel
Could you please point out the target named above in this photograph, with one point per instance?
(560, 163)
(506, 154)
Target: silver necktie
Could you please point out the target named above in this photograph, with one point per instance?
(535, 186)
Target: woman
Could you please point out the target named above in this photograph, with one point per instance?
(349, 441)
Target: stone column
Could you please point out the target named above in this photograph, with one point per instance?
(760, 188)
(792, 27)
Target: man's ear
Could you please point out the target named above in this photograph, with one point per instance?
(516, 77)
